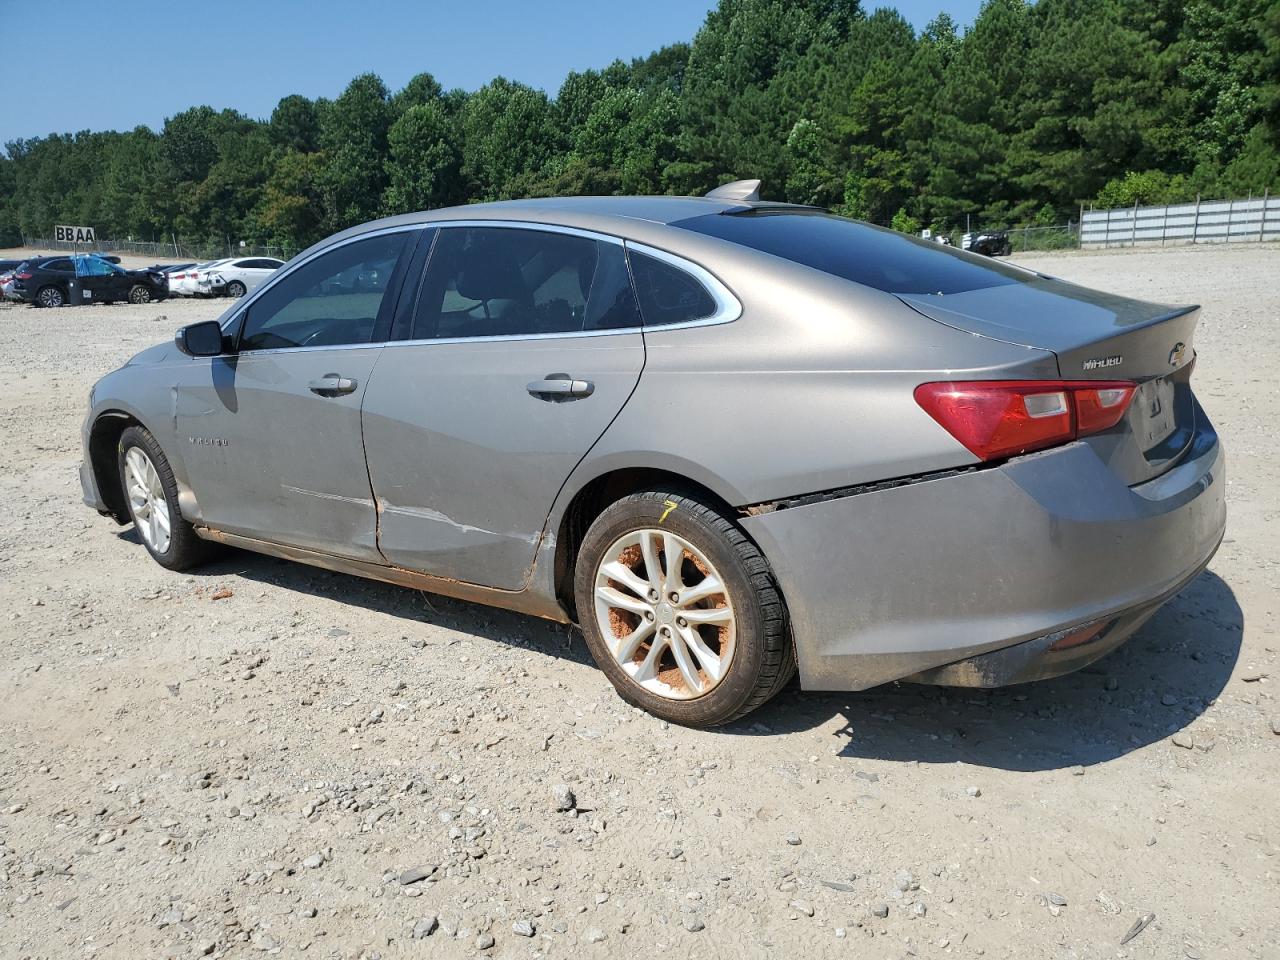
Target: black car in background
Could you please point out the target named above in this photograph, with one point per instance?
(993, 243)
(58, 281)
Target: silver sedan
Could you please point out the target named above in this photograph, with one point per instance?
(728, 438)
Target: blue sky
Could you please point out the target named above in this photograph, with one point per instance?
(121, 64)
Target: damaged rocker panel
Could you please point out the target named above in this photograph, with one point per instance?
(521, 601)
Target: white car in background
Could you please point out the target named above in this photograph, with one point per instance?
(236, 277)
(183, 283)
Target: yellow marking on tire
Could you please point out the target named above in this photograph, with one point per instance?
(670, 505)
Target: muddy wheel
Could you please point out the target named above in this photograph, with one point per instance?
(50, 297)
(151, 492)
(139, 293)
(681, 611)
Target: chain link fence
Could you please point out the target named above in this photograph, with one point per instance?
(177, 249)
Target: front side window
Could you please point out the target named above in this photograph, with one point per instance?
(503, 281)
(95, 267)
(336, 299)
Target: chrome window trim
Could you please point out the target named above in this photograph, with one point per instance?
(529, 225)
(728, 306)
(510, 337)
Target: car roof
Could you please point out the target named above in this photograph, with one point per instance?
(645, 219)
(662, 210)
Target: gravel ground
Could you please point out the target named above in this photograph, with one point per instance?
(269, 758)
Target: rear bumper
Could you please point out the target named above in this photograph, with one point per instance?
(899, 582)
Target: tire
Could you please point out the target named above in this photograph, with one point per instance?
(50, 296)
(755, 635)
(235, 290)
(155, 494)
(139, 293)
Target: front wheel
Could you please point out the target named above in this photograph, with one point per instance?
(152, 495)
(235, 289)
(139, 293)
(681, 611)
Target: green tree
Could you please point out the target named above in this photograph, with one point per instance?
(294, 124)
(424, 161)
(353, 137)
(507, 134)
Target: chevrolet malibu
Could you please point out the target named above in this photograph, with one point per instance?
(730, 439)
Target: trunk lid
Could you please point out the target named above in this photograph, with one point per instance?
(1095, 336)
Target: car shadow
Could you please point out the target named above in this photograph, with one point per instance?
(411, 606)
(1185, 653)
(1158, 682)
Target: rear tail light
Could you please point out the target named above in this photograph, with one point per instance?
(22, 276)
(1003, 418)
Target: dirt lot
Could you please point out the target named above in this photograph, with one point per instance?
(184, 775)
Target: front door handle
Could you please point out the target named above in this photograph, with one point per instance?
(332, 385)
(560, 386)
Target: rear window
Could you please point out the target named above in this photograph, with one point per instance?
(874, 256)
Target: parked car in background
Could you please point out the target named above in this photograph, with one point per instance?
(234, 278)
(993, 243)
(85, 278)
(184, 282)
(169, 269)
(7, 269)
(729, 438)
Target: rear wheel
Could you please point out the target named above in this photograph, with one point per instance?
(680, 610)
(50, 297)
(235, 289)
(152, 495)
(139, 293)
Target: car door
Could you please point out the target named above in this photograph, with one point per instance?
(272, 430)
(95, 280)
(523, 345)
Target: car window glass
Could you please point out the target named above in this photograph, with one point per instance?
(496, 281)
(62, 265)
(668, 294)
(877, 257)
(332, 300)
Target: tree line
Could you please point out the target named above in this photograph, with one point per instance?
(1035, 109)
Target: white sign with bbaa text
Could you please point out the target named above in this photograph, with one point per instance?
(74, 235)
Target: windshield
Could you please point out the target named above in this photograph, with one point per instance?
(874, 256)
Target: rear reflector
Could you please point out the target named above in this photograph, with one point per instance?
(1081, 635)
(1003, 418)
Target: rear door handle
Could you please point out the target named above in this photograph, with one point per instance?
(332, 385)
(558, 386)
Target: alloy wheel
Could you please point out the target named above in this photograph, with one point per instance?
(139, 294)
(665, 614)
(147, 501)
(235, 289)
(50, 297)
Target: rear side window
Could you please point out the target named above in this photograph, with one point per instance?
(511, 282)
(874, 256)
(667, 294)
(60, 265)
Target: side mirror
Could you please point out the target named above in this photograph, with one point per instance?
(200, 339)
